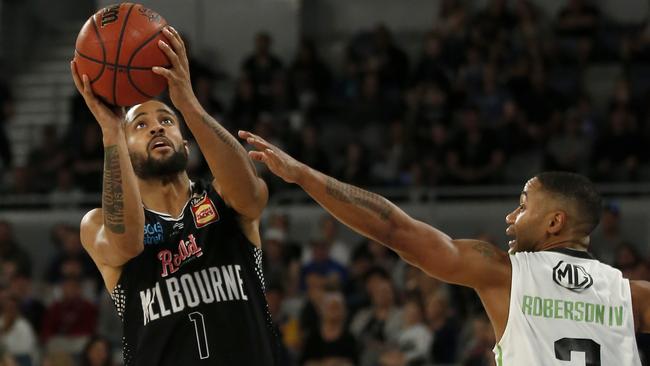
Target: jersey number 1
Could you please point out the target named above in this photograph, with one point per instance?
(201, 336)
(591, 349)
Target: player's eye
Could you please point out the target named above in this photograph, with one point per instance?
(167, 121)
(140, 125)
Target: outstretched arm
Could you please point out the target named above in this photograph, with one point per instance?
(234, 174)
(467, 262)
(114, 234)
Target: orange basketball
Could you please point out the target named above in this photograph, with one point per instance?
(116, 48)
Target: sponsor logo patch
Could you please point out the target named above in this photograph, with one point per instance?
(204, 211)
(572, 276)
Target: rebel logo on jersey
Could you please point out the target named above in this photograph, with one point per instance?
(572, 276)
(203, 211)
(187, 250)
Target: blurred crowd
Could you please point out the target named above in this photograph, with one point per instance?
(334, 302)
(495, 95)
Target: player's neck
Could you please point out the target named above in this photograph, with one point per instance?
(167, 195)
(576, 243)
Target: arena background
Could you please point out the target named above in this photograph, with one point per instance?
(379, 93)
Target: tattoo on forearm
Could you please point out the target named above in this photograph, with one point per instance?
(485, 249)
(357, 196)
(221, 132)
(112, 196)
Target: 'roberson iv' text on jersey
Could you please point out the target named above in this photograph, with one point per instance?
(195, 295)
(567, 308)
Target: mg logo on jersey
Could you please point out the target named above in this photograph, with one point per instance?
(572, 276)
(204, 211)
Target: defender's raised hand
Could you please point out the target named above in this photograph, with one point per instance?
(178, 76)
(279, 162)
(106, 118)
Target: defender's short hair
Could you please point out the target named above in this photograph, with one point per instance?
(577, 189)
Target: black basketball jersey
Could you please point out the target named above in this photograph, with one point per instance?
(195, 295)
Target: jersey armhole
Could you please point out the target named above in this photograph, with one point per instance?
(506, 331)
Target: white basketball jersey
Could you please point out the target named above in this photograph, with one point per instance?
(567, 309)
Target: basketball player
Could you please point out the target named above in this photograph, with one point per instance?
(180, 258)
(548, 301)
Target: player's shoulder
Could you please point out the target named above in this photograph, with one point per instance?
(91, 223)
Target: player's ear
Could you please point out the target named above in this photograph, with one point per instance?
(556, 221)
(186, 145)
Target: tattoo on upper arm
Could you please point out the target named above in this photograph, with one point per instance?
(354, 195)
(485, 249)
(220, 131)
(112, 196)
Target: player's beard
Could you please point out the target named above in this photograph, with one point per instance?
(165, 169)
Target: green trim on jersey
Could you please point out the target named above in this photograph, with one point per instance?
(499, 356)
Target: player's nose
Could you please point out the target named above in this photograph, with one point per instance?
(157, 130)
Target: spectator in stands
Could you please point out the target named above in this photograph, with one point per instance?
(70, 249)
(262, 65)
(70, 321)
(474, 157)
(245, 105)
(378, 324)
(577, 24)
(80, 119)
(355, 168)
(321, 262)
(495, 19)
(609, 234)
(310, 77)
(10, 250)
(88, 164)
(628, 259)
(309, 149)
(16, 333)
(414, 339)
(203, 86)
(579, 18)
(328, 233)
(66, 194)
(569, 148)
(444, 326)
(316, 287)
(6, 112)
(478, 351)
(97, 352)
(619, 145)
(332, 344)
(431, 67)
(30, 306)
(47, 159)
(389, 61)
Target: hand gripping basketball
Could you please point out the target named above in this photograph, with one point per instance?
(178, 76)
(107, 119)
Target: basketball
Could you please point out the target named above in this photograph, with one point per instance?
(116, 48)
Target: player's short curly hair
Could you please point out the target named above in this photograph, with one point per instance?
(578, 190)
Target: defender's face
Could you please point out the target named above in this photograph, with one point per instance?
(152, 130)
(526, 222)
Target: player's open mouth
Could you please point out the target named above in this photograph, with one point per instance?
(158, 143)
